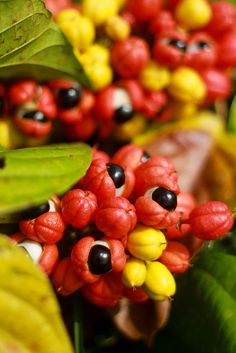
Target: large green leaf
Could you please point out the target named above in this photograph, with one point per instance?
(204, 308)
(30, 176)
(31, 45)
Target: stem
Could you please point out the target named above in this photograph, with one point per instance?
(78, 340)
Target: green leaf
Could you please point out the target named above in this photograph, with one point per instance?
(33, 46)
(29, 176)
(204, 308)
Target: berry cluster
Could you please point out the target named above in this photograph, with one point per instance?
(152, 60)
(122, 230)
(34, 108)
(147, 61)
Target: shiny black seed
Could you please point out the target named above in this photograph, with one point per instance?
(145, 157)
(178, 44)
(1, 105)
(99, 260)
(35, 212)
(117, 174)
(69, 98)
(166, 198)
(203, 45)
(123, 114)
(35, 115)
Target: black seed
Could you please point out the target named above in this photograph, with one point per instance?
(166, 198)
(1, 105)
(35, 115)
(35, 212)
(178, 44)
(203, 45)
(123, 113)
(145, 157)
(2, 162)
(117, 174)
(69, 98)
(99, 260)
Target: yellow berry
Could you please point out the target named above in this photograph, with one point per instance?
(146, 243)
(5, 133)
(193, 14)
(98, 53)
(79, 30)
(100, 75)
(95, 62)
(87, 33)
(155, 77)
(117, 28)
(100, 11)
(159, 283)
(127, 131)
(187, 85)
(134, 273)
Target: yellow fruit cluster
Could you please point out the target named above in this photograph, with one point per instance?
(146, 244)
(80, 28)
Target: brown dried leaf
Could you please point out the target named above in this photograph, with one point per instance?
(189, 151)
(141, 320)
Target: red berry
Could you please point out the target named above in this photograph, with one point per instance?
(130, 56)
(116, 217)
(211, 220)
(218, 83)
(136, 295)
(149, 212)
(81, 130)
(106, 291)
(78, 207)
(130, 156)
(185, 204)
(144, 10)
(65, 279)
(47, 228)
(223, 18)
(170, 47)
(46, 256)
(227, 51)
(175, 257)
(108, 180)
(156, 171)
(91, 261)
(163, 22)
(202, 51)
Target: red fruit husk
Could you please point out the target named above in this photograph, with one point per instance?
(106, 291)
(79, 259)
(78, 207)
(175, 257)
(211, 220)
(136, 295)
(65, 279)
(47, 228)
(185, 204)
(128, 156)
(130, 56)
(116, 217)
(156, 171)
(152, 214)
(144, 10)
